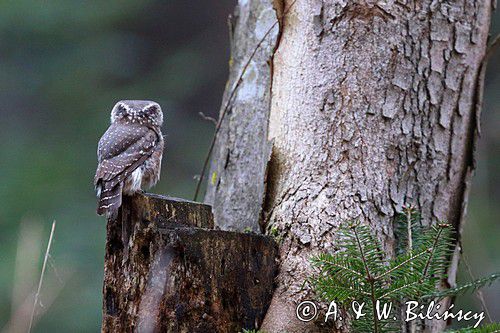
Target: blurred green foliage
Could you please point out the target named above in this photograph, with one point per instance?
(63, 65)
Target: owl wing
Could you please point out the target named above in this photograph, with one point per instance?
(121, 150)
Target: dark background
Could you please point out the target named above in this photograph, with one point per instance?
(63, 65)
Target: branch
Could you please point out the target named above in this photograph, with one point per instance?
(410, 259)
(479, 293)
(393, 291)
(468, 287)
(370, 280)
(433, 248)
(208, 118)
(328, 262)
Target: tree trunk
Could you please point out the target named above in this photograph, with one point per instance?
(372, 106)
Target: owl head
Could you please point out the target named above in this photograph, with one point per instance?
(141, 112)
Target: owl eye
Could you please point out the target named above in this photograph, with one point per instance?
(121, 109)
(152, 109)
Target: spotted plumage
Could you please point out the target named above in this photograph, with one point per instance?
(129, 153)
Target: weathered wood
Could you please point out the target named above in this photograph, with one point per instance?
(166, 271)
(236, 185)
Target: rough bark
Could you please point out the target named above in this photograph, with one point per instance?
(372, 107)
(164, 272)
(239, 160)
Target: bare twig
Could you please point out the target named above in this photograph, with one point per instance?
(208, 118)
(44, 266)
(479, 293)
(228, 103)
(490, 49)
(371, 280)
(409, 211)
(493, 46)
(432, 250)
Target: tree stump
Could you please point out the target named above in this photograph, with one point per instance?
(167, 270)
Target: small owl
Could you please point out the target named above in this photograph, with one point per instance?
(129, 154)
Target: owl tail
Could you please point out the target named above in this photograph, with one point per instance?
(110, 199)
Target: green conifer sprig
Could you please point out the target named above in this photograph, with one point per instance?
(359, 271)
(465, 288)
